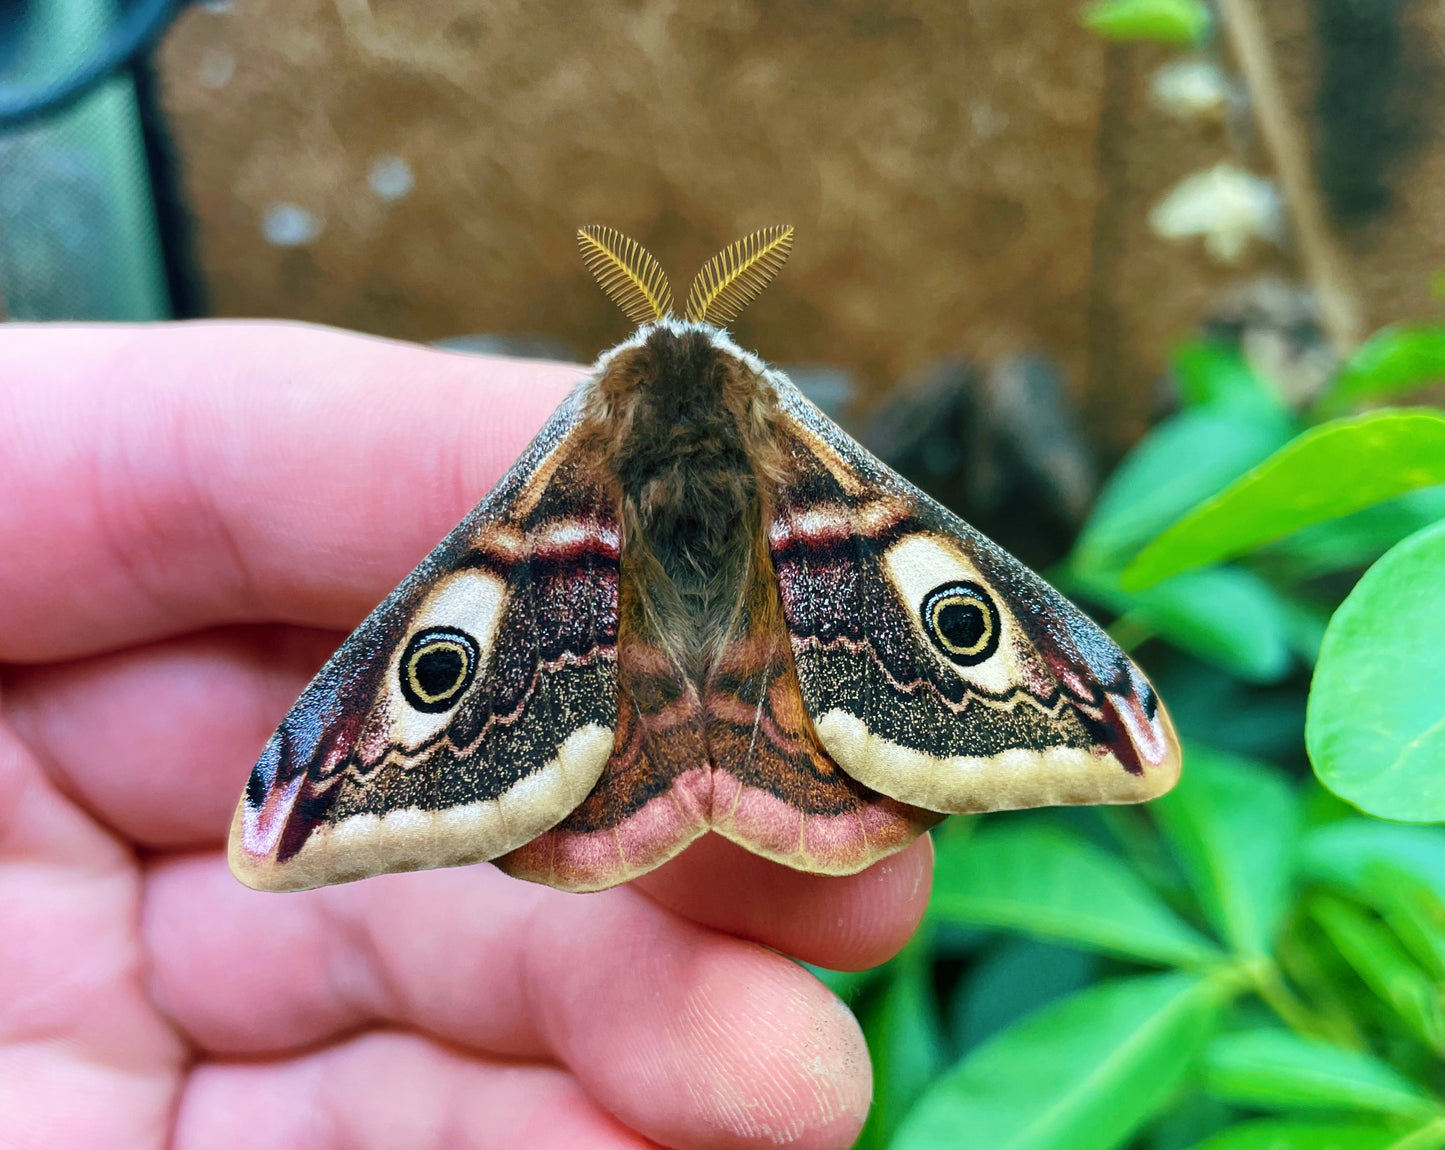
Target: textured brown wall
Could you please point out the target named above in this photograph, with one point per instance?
(963, 177)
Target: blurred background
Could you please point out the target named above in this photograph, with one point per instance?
(1075, 270)
(967, 179)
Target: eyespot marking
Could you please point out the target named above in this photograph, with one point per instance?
(437, 667)
(961, 620)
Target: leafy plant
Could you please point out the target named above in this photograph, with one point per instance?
(1250, 963)
(1167, 21)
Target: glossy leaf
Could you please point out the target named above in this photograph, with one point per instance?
(1375, 727)
(1216, 377)
(1377, 957)
(1355, 540)
(1344, 852)
(1392, 362)
(1165, 21)
(1325, 473)
(1180, 463)
(1277, 1069)
(1429, 1137)
(905, 1039)
(1234, 824)
(1225, 615)
(1083, 1074)
(1045, 881)
(1283, 1135)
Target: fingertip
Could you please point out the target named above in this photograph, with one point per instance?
(737, 1048)
(848, 922)
(219, 472)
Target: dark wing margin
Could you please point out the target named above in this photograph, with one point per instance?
(374, 771)
(1053, 713)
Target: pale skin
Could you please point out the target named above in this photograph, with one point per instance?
(191, 518)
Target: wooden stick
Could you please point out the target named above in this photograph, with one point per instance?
(1321, 258)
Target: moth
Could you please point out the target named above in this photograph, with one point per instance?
(693, 604)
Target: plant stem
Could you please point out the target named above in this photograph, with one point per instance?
(1320, 256)
(1298, 963)
(1266, 980)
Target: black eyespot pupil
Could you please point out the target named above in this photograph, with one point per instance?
(438, 669)
(962, 623)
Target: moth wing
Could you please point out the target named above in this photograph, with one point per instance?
(653, 797)
(472, 710)
(936, 668)
(775, 789)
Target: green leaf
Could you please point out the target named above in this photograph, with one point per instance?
(1271, 1134)
(905, 1039)
(1355, 540)
(1234, 824)
(1431, 1137)
(1269, 1069)
(1192, 1116)
(1166, 21)
(846, 984)
(1224, 615)
(1181, 462)
(1344, 851)
(1385, 968)
(1327, 472)
(1412, 910)
(1045, 881)
(1216, 377)
(1083, 1074)
(1011, 979)
(1208, 704)
(1306, 623)
(1375, 727)
(1391, 362)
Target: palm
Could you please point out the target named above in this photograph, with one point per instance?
(152, 1001)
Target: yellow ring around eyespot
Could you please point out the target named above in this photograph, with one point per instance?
(461, 678)
(949, 601)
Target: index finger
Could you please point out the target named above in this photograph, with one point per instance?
(161, 479)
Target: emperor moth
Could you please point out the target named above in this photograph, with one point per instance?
(694, 603)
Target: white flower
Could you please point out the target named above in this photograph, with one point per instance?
(1192, 89)
(1225, 205)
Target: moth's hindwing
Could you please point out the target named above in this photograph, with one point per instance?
(775, 790)
(472, 710)
(937, 669)
(654, 796)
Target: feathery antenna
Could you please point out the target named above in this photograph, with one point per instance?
(626, 271)
(733, 278)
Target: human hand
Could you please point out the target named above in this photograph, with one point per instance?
(190, 518)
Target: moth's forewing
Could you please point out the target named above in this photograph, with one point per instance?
(937, 669)
(471, 711)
